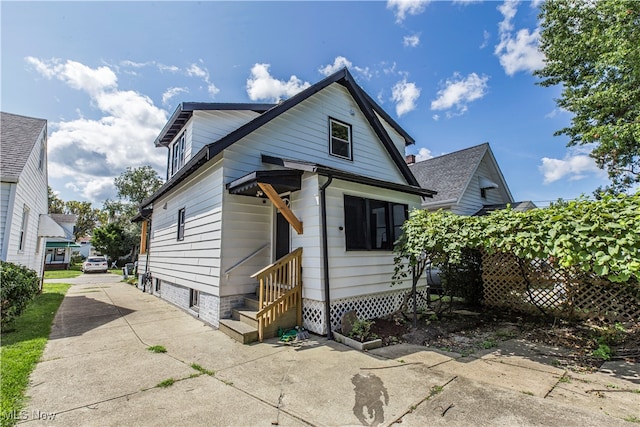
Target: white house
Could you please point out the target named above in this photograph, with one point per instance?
(468, 182)
(24, 223)
(309, 194)
(59, 250)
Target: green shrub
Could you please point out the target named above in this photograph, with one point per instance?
(19, 286)
(361, 330)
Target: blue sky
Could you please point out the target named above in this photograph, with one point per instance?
(454, 74)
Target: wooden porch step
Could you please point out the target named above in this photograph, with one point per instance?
(246, 315)
(239, 330)
(251, 302)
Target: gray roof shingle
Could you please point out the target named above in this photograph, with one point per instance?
(449, 174)
(18, 135)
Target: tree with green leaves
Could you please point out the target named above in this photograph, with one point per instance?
(137, 184)
(87, 218)
(56, 205)
(591, 49)
(134, 185)
(600, 237)
(112, 240)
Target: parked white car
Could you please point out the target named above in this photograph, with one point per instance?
(95, 263)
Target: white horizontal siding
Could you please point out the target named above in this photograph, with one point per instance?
(306, 205)
(195, 261)
(397, 139)
(31, 191)
(302, 133)
(471, 201)
(210, 126)
(356, 273)
(247, 227)
(6, 211)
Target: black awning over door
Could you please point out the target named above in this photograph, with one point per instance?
(281, 180)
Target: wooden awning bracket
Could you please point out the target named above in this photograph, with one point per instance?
(277, 201)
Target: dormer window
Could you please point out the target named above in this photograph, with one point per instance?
(340, 139)
(177, 154)
(486, 184)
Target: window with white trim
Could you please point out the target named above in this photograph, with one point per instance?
(23, 228)
(181, 221)
(372, 224)
(177, 151)
(340, 139)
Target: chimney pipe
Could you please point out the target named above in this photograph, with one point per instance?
(410, 159)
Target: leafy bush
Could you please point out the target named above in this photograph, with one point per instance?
(598, 236)
(361, 330)
(464, 280)
(19, 286)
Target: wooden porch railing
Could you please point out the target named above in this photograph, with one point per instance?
(280, 290)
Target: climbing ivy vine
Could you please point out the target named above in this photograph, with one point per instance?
(601, 236)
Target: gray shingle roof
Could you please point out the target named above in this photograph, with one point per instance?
(449, 174)
(18, 135)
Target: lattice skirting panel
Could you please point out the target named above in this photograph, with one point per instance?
(558, 291)
(366, 306)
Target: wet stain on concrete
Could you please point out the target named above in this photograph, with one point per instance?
(371, 398)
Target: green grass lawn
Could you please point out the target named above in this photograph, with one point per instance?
(21, 347)
(62, 274)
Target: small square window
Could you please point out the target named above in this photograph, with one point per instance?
(340, 139)
(181, 220)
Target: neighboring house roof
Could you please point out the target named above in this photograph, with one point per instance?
(64, 218)
(369, 108)
(67, 222)
(19, 134)
(47, 227)
(516, 206)
(451, 174)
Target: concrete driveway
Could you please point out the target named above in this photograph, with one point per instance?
(96, 371)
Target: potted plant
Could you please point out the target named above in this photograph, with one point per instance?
(360, 336)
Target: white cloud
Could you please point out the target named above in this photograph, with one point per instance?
(75, 74)
(172, 92)
(411, 41)
(89, 153)
(458, 92)
(213, 90)
(262, 86)
(485, 39)
(195, 70)
(198, 71)
(405, 95)
(519, 52)
(341, 62)
(403, 7)
(423, 154)
(576, 165)
(169, 68)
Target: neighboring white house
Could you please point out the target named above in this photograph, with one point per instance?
(24, 223)
(468, 182)
(332, 162)
(60, 250)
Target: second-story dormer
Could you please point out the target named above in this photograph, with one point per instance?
(194, 125)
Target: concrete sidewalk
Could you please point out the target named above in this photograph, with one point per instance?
(96, 370)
